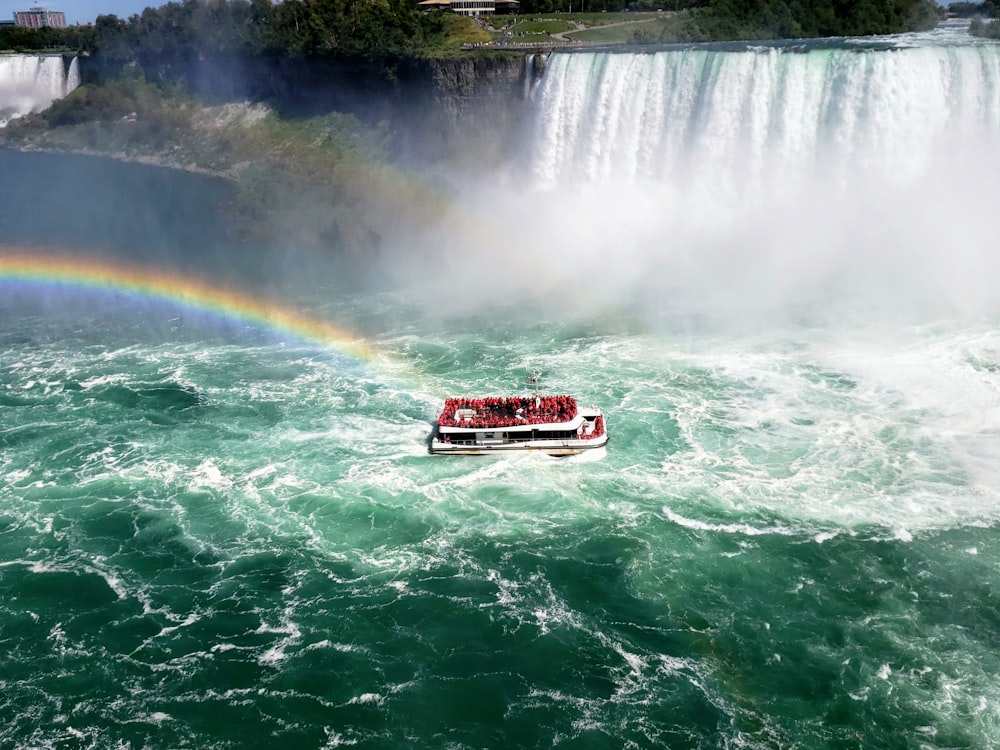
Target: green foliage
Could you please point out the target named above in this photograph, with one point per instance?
(989, 30)
(19, 39)
(542, 26)
(317, 145)
(445, 33)
(181, 32)
(315, 174)
(112, 37)
(318, 166)
(626, 28)
(605, 18)
(88, 103)
(176, 37)
(794, 19)
(72, 38)
(127, 97)
(719, 20)
(986, 9)
(339, 28)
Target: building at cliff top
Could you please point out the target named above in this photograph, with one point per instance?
(472, 7)
(38, 18)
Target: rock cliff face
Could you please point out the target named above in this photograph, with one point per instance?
(483, 101)
(464, 85)
(433, 106)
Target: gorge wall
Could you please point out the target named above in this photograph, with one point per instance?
(431, 105)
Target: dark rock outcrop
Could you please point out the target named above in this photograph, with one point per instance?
(432, 106)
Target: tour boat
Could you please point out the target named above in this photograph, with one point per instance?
(554, 425)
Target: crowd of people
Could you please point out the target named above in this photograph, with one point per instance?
(597, 431)
(507, 412)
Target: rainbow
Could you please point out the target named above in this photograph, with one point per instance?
(188, 292)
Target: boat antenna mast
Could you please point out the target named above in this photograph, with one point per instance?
(534, 380)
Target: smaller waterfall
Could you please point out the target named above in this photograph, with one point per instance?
(72, 76)
(529, 74)
(534, 66)
(30, 83)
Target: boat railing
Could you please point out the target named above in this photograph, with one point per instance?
(507, 412)
(510, 439)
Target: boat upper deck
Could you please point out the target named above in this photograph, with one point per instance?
(515, 411)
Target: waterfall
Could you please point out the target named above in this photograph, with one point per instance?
(732, 121)
(529, 74)
(30, 83)
(762, 176)
(72, 76)
(534, 68)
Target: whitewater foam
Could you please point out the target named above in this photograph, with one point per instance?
(790, 535)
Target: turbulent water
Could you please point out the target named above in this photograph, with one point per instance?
(217, 535)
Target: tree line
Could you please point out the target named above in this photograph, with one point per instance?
(188, 30)
(978, 12)
(796, 19)
(986, 9)
(192, 29)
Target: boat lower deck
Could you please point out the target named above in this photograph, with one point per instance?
(569, 447)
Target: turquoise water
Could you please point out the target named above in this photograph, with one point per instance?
(777, 282)
(213, 536)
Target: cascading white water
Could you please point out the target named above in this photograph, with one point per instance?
(767, 177)
(730, 121)
(529, 74)
(30, 83)
(72, 76)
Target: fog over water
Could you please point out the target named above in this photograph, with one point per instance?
(770, 266)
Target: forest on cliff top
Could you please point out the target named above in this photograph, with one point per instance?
(385, 29)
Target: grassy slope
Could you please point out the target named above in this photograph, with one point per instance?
(458, 30)
(622, 28)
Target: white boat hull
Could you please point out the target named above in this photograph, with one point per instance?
(549, 447)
